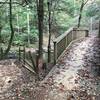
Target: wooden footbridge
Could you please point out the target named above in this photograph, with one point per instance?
(76, 58)
(60, 44)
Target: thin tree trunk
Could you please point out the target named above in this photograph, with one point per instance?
(49, 41)
(80, 14)
(11, 27)
(0, 34)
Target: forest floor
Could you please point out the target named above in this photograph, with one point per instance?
(16, 82)
(76, 76)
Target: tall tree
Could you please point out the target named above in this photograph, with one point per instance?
(40, 12)
(49, 41)
(83, 3)
(11, 27)
(0, 32)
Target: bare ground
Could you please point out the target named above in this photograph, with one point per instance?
(16, 82)
(76, 76)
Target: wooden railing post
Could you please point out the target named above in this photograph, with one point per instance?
(66, 41)
(37, 60)
(74, 33)
(1, 53)
(72, 36)
(55, 52)
(99, 29)
(19, 55)
(32, 60)
(24, 55)
(87, 33)
(37, 65)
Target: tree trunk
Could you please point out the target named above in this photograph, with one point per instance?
(0, 34)
(49, 41)
(12, 31)
(40, 26)
(80, 14)
(40, 13)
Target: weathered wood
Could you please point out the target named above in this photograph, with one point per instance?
(69, 38)
(63, 35)
(37, 58)
(33, 62)
(74, 34)
(27, 62)
(81, 32)
(19, 54)
(61, 46)
(55, 52)
(1, 53)
(24, 55)
(37, 64)
(99, 29)
(27, 66)
(80, 29)
(65, 39)
(87, 33)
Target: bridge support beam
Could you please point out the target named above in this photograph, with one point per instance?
(99, 29)
(55, 52)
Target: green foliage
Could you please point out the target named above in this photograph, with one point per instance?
(93, 10)
(63, 15)
(5, 33)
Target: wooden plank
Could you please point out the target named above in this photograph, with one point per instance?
(29, 68)
(19, 54)
(33, 62)
(27, 65)
(55, 52)
(63, 35)
(26, 62)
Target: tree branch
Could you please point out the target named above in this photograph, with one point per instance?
(85, 2)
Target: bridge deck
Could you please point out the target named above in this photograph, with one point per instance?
(76, 75)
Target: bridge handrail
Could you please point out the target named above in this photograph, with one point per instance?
(22, 58)
(27, 65)
(61, 42)
(58, 39)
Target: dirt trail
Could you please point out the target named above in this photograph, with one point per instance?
(76, 76)
(16, 82)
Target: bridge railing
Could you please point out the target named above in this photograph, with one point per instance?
(65, 39)
(27, 59)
